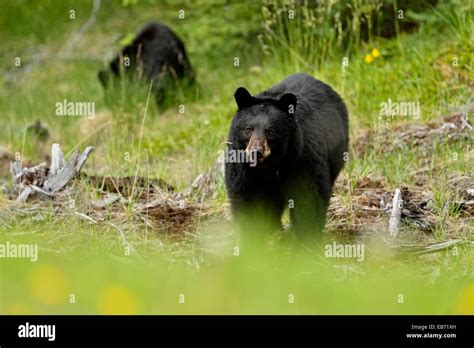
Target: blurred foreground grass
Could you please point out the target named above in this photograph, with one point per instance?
(83, 282)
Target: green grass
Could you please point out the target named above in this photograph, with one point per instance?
(91, 260)
(225, 283)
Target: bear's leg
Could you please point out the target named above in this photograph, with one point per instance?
(308, 213)
(308, 217)
(256, 220)
(264, 216)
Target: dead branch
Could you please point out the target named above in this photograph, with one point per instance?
(45, 181)
(396, 214)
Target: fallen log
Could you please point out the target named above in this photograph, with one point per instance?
(46, 181)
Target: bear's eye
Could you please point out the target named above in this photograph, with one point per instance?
(269, 131)
(248, 131)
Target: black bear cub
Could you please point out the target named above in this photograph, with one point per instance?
(156, 53)
(294, 137)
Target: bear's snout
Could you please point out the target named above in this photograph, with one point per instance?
(258, 148)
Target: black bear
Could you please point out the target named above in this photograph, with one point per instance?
(156, 53)
(294, 137)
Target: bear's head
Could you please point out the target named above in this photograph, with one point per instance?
(263, 127)
(124, 63)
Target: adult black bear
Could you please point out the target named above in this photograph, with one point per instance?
(295, 137)
(156, 53)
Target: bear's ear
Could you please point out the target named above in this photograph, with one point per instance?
(287, 103)
(243, 98)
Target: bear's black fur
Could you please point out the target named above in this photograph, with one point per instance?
(298, 130)
(156, 53)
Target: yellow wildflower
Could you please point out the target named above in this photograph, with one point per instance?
(465, 304)
(117, 300)
(375, 53)
(48, 285)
